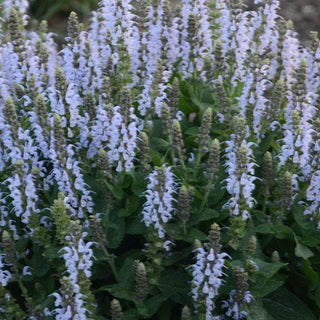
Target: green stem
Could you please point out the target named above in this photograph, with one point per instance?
(111, 263)
(205, 198)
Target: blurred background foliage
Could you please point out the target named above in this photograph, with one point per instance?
(56, 12)
(305, 14)
(53, 9)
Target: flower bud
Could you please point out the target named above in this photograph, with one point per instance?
(116, 310)
(11, 116)
(184, 200)
(89, 105)
(73, 27)
(213, 160)
(286, 197)
(275, 257)
(204, 134)
(186, 313)
(166, 119)
(61, 218)
(178, 144)
(145, 157)
(141, 281)
(97, 233)
(41, 110)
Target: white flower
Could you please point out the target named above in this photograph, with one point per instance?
(158, 208)
(207, 276)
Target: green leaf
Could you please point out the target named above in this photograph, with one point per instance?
(151, 306)
(193, 131)
(283, 232)
(116, 191)
(263, 286)
(284, 305)
(135, 225)
(268, 269)
(138, 184)
(159, 143)
(265, 228)
(39, 264)
(118, 292)
(174, 285)
(115, 229)
(301, 219)
(207, 214)
(256, 311)
(302, 251)
(126, 273)
(309, 272)
(130, 315)
(191, 235)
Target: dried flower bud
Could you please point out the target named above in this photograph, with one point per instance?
(19, 90)
(97, 232)
(204, 135)
(178, 144)
(286, 197)
(60, 81)
(237, 230)
(166, 119)
(14, 29)
(252, 246)
(116, 310)
(141, 281)
(239, 128)
(277, 99)
(241, 279)
(197, 244)
(145, 157)
(41, 110)
(208, 68)
(214, 238)
(103, 163)
(192, 29)
(173, 97)
(213, 160)
(125, 103)
(267, 173)
(73, 27)
(314, 41)
(184, 201)
(89, 105)
(186, 313)
(43, 28)
(299, 88)
(218, 57)
(275, 257)
(9, 249)
(223, 100)
(19, 169)
(11, 116)
(61, 218)
(105, 90)
(59, 137)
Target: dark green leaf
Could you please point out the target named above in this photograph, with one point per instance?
(256, 311)
(302, 251)
(174, 284)
(268, 269)
(284, 305)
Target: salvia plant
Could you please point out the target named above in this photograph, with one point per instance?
(163, 163)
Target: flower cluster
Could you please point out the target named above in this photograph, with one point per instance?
(207, 272)
(158, 208)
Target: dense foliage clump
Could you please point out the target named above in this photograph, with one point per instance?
(163, 164)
